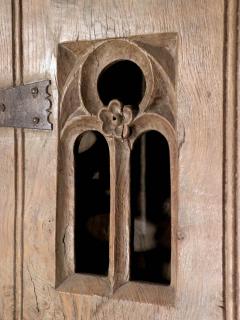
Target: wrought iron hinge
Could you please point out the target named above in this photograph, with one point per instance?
(26, 106)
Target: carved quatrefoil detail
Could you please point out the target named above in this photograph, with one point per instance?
(82, 63)
(120, 116)
(116, 119)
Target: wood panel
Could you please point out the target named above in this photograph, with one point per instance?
(7, 174)
(200, 28)
(237, 143)
(231, 195)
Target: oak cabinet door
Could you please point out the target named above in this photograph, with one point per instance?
(190, 49)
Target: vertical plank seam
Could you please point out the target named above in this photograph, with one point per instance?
(18, 227)
(237, 137)
(17, 67)
(230, 59)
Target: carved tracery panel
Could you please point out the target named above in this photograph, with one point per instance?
(120, 88)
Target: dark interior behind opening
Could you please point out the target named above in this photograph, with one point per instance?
(151, 230)
(122, 80)
(92, 204)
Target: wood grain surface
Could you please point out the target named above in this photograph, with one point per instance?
(7, 173)
(203, 280)
(200, 28)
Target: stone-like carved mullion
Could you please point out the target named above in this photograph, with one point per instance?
(120, 213)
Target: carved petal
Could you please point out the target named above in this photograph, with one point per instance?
(122, 132)
(104, 114)
(127, 115)
(107, 128)
(118, 131)
(115, 107)
(126, 131)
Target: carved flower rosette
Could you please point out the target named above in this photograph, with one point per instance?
(80, 98)
(82, 110)
(116, 119)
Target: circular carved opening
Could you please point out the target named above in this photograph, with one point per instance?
(122, 80)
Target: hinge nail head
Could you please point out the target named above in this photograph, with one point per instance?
(34, 92)
(36, 120)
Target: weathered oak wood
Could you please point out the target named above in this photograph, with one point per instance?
(231, 164)
(120, 214)
(7, 174)
(82, 110)
(203, 230)
(199, 113)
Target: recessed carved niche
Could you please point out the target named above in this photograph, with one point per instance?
(121, 92)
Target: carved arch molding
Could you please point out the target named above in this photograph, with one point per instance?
(71, 55)
(80, 65)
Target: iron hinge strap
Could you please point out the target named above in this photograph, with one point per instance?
(26, 106)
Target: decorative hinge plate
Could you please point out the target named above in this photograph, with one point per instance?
(26, 106)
